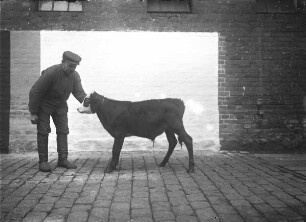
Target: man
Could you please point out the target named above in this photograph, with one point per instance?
(48, 97)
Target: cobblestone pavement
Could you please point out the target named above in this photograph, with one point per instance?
(225, 187)
(293, 162)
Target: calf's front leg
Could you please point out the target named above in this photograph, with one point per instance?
(117, 146)
(172, 143)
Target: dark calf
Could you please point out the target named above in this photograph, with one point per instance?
(147, 119)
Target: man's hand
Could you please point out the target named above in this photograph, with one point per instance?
(33, 118)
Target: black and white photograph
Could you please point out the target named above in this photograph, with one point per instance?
(153, 110)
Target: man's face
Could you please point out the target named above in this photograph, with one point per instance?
(69, 67)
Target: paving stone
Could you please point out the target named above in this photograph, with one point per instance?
(292, 202)
(85, 200)
(254, 199)
(289, 214)
(35, 216)
(10, 203)
(120, 207)
(225, 187)
(171, 181)
(217, 200)
(70, 195)
(115, 216)
(81, 207)
(60, 211)
(200, 205)
(160, 206)
(155, 183)
(230, 218)
(43, 207)
(77, 216)
(64, 202)
(34, 196)
(247, 211)
(141, 188)
(54, 217)
(301, 198)
(142, 219)
(269, 212)
(105, 196)
(174, 187)
(239, 202)
(157, 197)
(55, 193)
(233, 196)
(195, 197)
(163, 215)
(186, 218)
(122, 199)
(183, 210)
(143, 212)
(99, 214)
(102, 203)
(207, 214)
(140, 194)
(224, 209)
(122, 192)
(27, 203)
(140, 203)
(75, 189)
(177, 193)
(89, 194)
(14, 217)
(175, 201)
(48, 199)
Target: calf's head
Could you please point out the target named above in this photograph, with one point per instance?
(90, 103)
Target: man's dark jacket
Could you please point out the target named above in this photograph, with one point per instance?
(52, 90)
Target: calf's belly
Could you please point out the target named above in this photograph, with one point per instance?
(147, 132)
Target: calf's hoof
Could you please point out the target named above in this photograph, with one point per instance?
(162, 164)
(190, 170)
(110, 169)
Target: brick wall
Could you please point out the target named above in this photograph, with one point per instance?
(261, 75)
(25, 69)
(4, 90)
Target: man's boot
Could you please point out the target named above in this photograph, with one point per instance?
(62, 149)
(42, 145)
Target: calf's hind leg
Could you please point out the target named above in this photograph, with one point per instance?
(172, 143)
(185, 138)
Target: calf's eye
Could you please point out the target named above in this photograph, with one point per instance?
(86, 102)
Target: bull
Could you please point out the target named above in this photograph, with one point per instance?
(147, 119)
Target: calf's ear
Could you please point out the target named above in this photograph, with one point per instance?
(92, 92)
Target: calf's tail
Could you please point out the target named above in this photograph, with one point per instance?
(180, 141)
(182, 108)
(179, 107)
